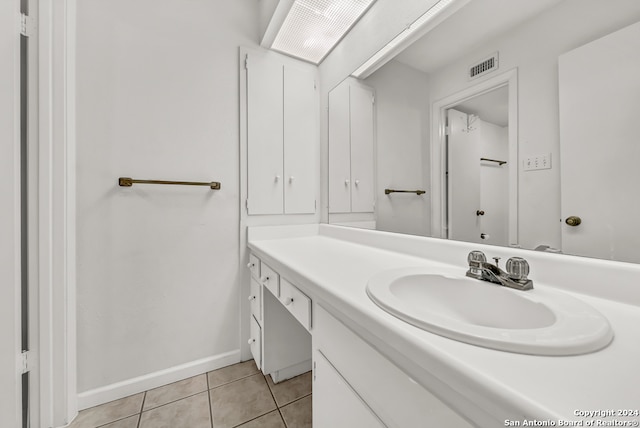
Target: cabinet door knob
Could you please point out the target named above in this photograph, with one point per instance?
(346, 182)
(291, 179)
(252, 298)
(277, 178)
(264, 279)
(250, 265)
(288, 301)
(357, 182)
(251, 341)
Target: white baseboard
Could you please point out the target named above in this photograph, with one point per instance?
(115, 391)
(292, 371)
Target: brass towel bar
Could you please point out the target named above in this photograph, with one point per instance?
(499, 162)
(417, 192)
(128, 182)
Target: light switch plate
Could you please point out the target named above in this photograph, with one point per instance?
(533, 163)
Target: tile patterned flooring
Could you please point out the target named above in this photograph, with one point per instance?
(234, 396)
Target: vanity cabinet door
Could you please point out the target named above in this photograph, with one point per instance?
(255, 342)
(255, 299)
(341, 405)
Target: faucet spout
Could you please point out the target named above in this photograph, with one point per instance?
(486, 271)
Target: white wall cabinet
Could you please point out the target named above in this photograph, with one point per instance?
(282, 136)
(351, 148)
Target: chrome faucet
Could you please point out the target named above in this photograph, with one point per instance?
(514, 277)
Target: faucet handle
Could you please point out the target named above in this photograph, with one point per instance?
(476, 256)
(517, 268)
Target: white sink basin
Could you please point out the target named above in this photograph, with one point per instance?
(539, 322)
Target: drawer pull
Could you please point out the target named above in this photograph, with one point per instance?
(251, 341)
(252, 298)
(288, 301)
(251, 265)
(264, 279)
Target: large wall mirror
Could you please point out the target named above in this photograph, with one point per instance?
(516, 119)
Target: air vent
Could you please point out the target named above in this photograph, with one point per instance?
(485, 66)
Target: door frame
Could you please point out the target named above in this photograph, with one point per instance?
(439, 197)
(10, 217)
(56, 213)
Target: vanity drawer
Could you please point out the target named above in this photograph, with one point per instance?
(296, 302)
(255, 342)
(255, 299)
(254, 266)
(270, 279)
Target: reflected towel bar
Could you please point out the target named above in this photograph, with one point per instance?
(499, 162)
(128, 182)
(417, 192)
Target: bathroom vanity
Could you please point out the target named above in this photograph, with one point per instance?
(310, 308)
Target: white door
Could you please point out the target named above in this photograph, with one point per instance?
(463, 159)
(300, 141)
(339, 150)
(362, 185)
(264, 135)
(344, 407)
(10, 403)
(600, 147)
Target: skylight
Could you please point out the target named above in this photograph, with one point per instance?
(313, 27)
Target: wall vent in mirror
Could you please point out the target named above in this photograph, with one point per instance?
(483, 67)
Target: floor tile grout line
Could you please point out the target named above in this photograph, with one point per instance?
(232, 381)
(275, 402)
(293, 401)
(210, 406)
(173, 401)
(141, 409)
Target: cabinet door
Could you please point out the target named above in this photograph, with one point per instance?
(362, 185)
(255, 342)
(339, 150)
(341, 405)
(264, 135)
(300, 141)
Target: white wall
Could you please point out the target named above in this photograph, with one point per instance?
(402, 153)
(534, 48)
(9, 215)
(157, 265)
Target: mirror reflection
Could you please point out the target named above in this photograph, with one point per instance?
(513, 117)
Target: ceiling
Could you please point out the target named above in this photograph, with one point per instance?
(492, 107)
(476, 23)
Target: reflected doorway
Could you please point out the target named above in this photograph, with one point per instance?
(472, 180)
(478, 168)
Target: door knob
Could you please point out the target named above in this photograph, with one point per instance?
(573, 220)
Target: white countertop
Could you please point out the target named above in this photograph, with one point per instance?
(489, 387)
